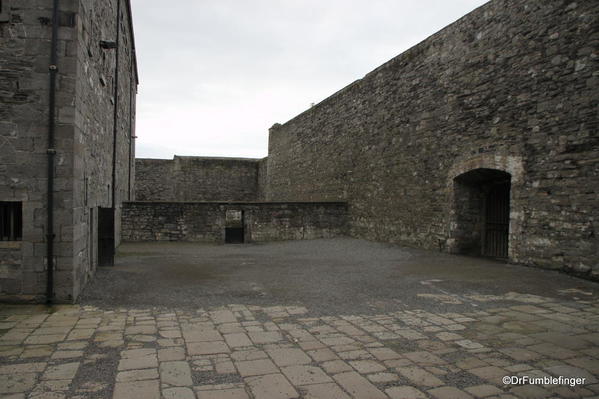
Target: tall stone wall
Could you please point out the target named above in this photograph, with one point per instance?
(84, 136)
(197, 179)
(512, 86)
(95, 141)
(25, 33)
(205, 221)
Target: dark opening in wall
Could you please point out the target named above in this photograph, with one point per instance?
(234, 227)
(482, 206)
(11, 221)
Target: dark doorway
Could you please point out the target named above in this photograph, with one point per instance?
(234, 231)
(105, 237)
(497, 221)
(482, 207)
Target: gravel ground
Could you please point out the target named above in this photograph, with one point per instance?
(332, 276)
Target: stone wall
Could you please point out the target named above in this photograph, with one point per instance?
(25, 33)
(205, 221)
(197, 179)
(512, 86)
(84, 136)
(94, 123)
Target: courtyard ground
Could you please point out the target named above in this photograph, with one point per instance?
(338, 318)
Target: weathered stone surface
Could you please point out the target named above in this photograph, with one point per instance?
(176, 373)
(205, 221)
(272, 386)
(196, 179)
(85, 105)
(495, 90)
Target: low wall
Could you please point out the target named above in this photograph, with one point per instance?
(205, 221)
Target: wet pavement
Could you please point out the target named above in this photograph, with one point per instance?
(324, 319)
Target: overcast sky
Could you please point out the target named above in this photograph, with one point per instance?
(216, 74)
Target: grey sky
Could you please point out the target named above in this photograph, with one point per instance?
(216, 74)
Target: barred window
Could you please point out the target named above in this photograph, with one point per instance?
(11, 221)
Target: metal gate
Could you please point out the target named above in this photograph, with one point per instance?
(497, 221)
(105, 237)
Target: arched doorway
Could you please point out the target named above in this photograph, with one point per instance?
(482, 212)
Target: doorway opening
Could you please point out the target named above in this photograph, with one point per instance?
(482, 205)
(106, 237)
(234, 231)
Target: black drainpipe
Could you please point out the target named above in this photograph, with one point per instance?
(130, 131)
(116, 103)
(51, 153)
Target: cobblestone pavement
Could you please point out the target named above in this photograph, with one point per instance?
(248, 351)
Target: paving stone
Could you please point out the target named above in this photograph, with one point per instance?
(530, 392)
(170, 354)
(272, 386)
(80, 333)
(44, 339)
(201, 335)
(358, 386)
(23, 368)
(355, 355)
(252, 354)
(207, 348)
(61, 372)
(419, 376)
(336, 366)
(177, 374)
(482, 391)
(448, 393)
(66, 354)
(521, 354)
(137, 353)
(288, 356)
(256, 367)
(223, 316)
(137, 389)
(322, 391)
(466, 343)
(322, 355)
(384, 353)
(237, 340)
(265, 337)
(424, 358)
(144, 362)
(18, 382)
(367, 366)
(572, 372)
(137, 375)
(312, 344)
(449, 336)
(405, 392)
(170, 333)
(492, 374)
(225, 367)
(140, 330)
(382, 377)
(233, 393)
(304, 375)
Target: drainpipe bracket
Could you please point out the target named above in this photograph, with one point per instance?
(53, 68)
(51, 151)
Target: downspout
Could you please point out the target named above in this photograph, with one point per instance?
(51, 151)
(116, 103)
(130, 131)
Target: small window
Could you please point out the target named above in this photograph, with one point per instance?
(11, 221)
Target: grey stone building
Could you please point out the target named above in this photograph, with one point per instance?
(68, 82)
